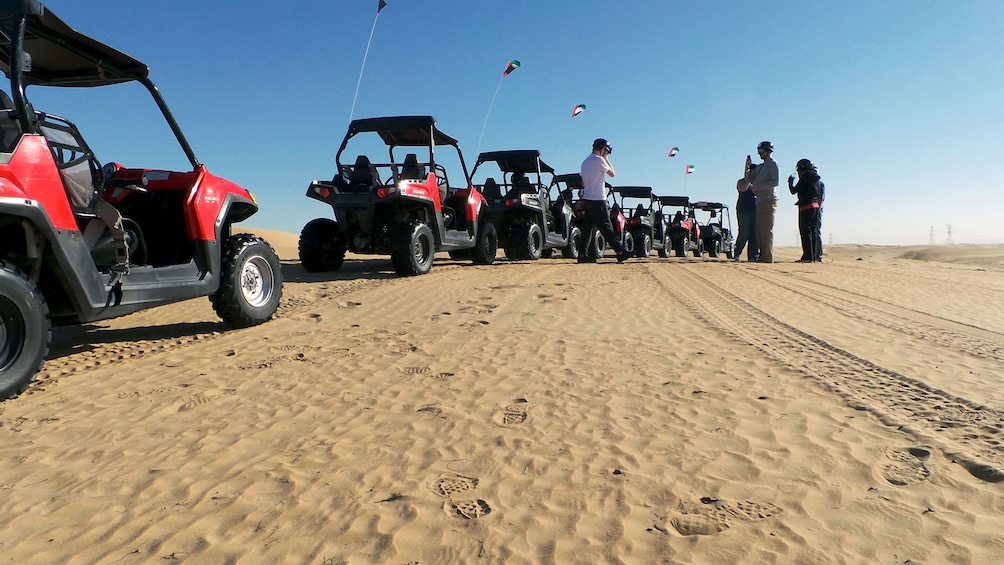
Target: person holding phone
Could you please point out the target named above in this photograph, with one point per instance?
(809, 190)
(596, 212)
(764, 178)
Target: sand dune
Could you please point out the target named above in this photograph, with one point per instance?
(661, 411)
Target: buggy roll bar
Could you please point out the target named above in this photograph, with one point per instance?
(62, 46)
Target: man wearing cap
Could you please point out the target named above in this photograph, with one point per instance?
(596, 213)
(764, 178)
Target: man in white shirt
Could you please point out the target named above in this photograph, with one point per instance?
(596, 212)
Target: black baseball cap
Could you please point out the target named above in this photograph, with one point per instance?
(600, 143)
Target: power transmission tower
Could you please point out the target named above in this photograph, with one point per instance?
(930, 238)
(948, 236)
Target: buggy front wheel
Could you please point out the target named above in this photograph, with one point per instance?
(250, 282)
(24, 331)
(486, 246)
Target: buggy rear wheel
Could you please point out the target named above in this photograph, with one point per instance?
(322, 247)
(599, 244)
(642, 245)
(250, 282)
(715, 249)
(412, 248)
(487, 245)
(571, 251)
(680, 246)
(666, 243)
(24, 331)
(629, 243)
(530, 240)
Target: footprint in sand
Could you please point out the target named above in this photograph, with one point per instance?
(471, 509)
(448, 486)
(908, 467)
(715, 516)
(471, 326)
(515, 413)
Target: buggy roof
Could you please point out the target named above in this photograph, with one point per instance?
(709, 206)
(573, 180)
(522, 160)
(674, 200)
(633, 191)
(409, 131)
(60, 55)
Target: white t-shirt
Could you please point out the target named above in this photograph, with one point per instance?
(593, 171)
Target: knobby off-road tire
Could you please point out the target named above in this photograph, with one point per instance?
(487, 245)
(322, 247)
(666, 244)
(250, 282)
(629, 244)
(530, 238)
(412, 248)
(681, 245)
(700, 248)
(24, 331)
(599, 244)
(571, 251)
(642, 245)
(715, 249)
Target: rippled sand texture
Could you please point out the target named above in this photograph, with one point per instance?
(662, 411)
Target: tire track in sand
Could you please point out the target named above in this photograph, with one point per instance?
(967, 432)
(106, 350)
(955, 335)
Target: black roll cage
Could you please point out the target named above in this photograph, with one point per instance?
(65, 57)
(402, 131)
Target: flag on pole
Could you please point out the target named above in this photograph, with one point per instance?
(674, 151)
(512, 66)
(690, 169)
(381, 6)
(578, 110)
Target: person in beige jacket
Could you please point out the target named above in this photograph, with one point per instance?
(764, 178)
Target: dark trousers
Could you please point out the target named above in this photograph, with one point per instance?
(812, 240)
(747, 235)
(596, 216)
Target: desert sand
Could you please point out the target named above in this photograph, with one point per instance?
(674, 410)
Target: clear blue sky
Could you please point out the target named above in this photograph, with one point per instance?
(900, 103)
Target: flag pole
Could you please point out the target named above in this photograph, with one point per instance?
(359, 81)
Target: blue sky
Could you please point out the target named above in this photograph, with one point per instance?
(900, 103)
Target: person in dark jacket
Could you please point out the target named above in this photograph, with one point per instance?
(809, 190)
(746, 213)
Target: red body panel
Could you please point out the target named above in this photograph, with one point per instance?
(428, 189)
(206, 194)
(32, 166)
(618, 221)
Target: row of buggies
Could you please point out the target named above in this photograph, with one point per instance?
(403, 203)
(647, 223)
